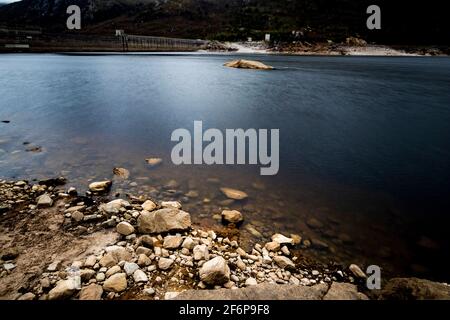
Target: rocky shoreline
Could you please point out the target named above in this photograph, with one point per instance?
(58, 244)
(351, 47)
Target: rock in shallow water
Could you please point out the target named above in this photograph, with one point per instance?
(100, 186)
(248, 64)
(232, 216)
(121, 172)
(153, 162)
(234, 194)
(281, 239)
(314, 223)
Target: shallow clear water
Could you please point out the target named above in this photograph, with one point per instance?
(364, 141)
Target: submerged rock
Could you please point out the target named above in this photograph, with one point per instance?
(314, 223)
(248, 64)
(121, 172)
(319, 244)
(232, 216)
(234, 194)
(153, 162)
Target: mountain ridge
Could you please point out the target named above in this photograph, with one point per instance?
(315, 20)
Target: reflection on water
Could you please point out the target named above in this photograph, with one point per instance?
(364, 142)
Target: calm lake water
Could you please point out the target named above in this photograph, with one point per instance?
(364, 142)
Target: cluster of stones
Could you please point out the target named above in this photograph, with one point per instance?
(159, 253)
(18, 193)
(162, 266)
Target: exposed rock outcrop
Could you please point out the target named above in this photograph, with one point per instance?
(248, 64)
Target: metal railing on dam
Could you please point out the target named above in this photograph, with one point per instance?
(60, 42)
(136, 42)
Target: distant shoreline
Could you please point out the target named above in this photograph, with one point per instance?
(63, 43)
(352, 52)
(331, 49)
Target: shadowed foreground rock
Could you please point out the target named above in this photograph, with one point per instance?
(275, 292)
(344, 291)
(414, 289)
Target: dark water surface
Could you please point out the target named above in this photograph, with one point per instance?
(364, 142)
